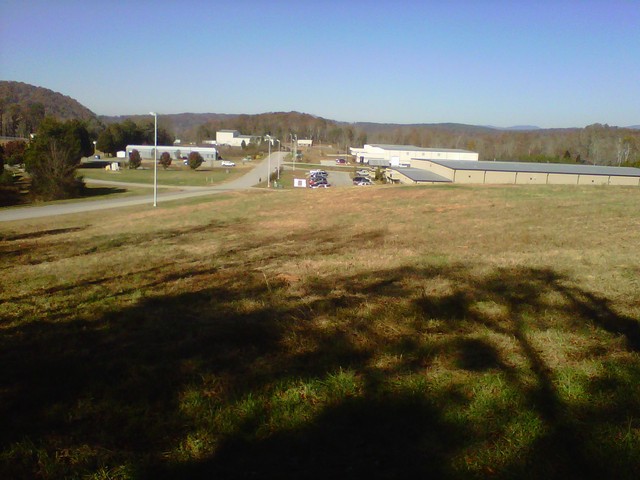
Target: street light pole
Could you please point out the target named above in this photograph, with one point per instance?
(155, 158)
(279, 149)
(294, 145)
(268, 137)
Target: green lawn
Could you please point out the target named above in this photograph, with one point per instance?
(170, 177)
(388, 332)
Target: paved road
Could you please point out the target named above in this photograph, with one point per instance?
(251, 178)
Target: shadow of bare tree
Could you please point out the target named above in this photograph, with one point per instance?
(118, 384)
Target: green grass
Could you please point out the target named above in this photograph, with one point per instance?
(389, 332)
(171, 177)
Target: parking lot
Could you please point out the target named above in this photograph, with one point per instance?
(340, 179)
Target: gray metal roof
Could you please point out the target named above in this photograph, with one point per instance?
(419, 175)
(413, 148)
(538, 167)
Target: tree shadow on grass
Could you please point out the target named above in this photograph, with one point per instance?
(118, 384)
(93, 191)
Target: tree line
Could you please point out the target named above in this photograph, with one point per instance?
(116, 136)
(595, 144)
(52, 156)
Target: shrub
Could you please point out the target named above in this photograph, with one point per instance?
(14, 152)
(6, 179)
(52, 159)
(134, 159)
(165, 160)
(195, 160)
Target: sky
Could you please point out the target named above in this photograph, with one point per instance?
(547, 63)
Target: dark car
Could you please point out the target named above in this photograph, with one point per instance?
(320, 185)
(357, 180)
(341, 161)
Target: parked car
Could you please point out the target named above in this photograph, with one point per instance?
(363, 173)
(363, 183)
(317, 181)
(341, 161)
(317, 172)
(227, 163)
(320, 185)
(360, 179)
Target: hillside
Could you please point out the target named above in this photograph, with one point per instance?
(55, 104)
(406, 332)
(22, 106)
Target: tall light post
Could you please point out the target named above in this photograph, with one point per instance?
(279, 149)
(268, 137)
(155, 158)
(294, 146)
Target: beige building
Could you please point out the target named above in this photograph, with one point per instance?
(457, 171)
(401, 155)
(233, 138)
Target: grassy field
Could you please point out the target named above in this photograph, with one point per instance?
(387, 332)
(172, 177)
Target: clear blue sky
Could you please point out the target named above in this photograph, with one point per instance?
(485, 62)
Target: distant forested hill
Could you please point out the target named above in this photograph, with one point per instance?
(23, 106)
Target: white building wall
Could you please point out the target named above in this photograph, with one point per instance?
(445, 172)
(562, 179)
(631, 181)
(529, 178)
(225, 137)
(404, 157)
(593, 180)
(468, 176)
(146, 151)
(500, 177)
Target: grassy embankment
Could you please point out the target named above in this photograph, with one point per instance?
(447, 332)
(175, 177)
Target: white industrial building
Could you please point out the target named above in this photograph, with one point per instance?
(209, 154)
(515, 173)
(233, 138)
(379, 155)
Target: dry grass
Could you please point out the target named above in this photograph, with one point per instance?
(383, 332)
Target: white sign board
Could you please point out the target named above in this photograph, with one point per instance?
(300, 182)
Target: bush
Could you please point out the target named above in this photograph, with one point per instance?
(14, 152)
(165, 160)
(53, 157)
(6, 179)
(134, 159)
(195, 160)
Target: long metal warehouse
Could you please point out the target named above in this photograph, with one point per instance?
(461, 171)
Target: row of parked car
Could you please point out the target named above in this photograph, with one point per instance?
(318, 179)
(362, 178)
